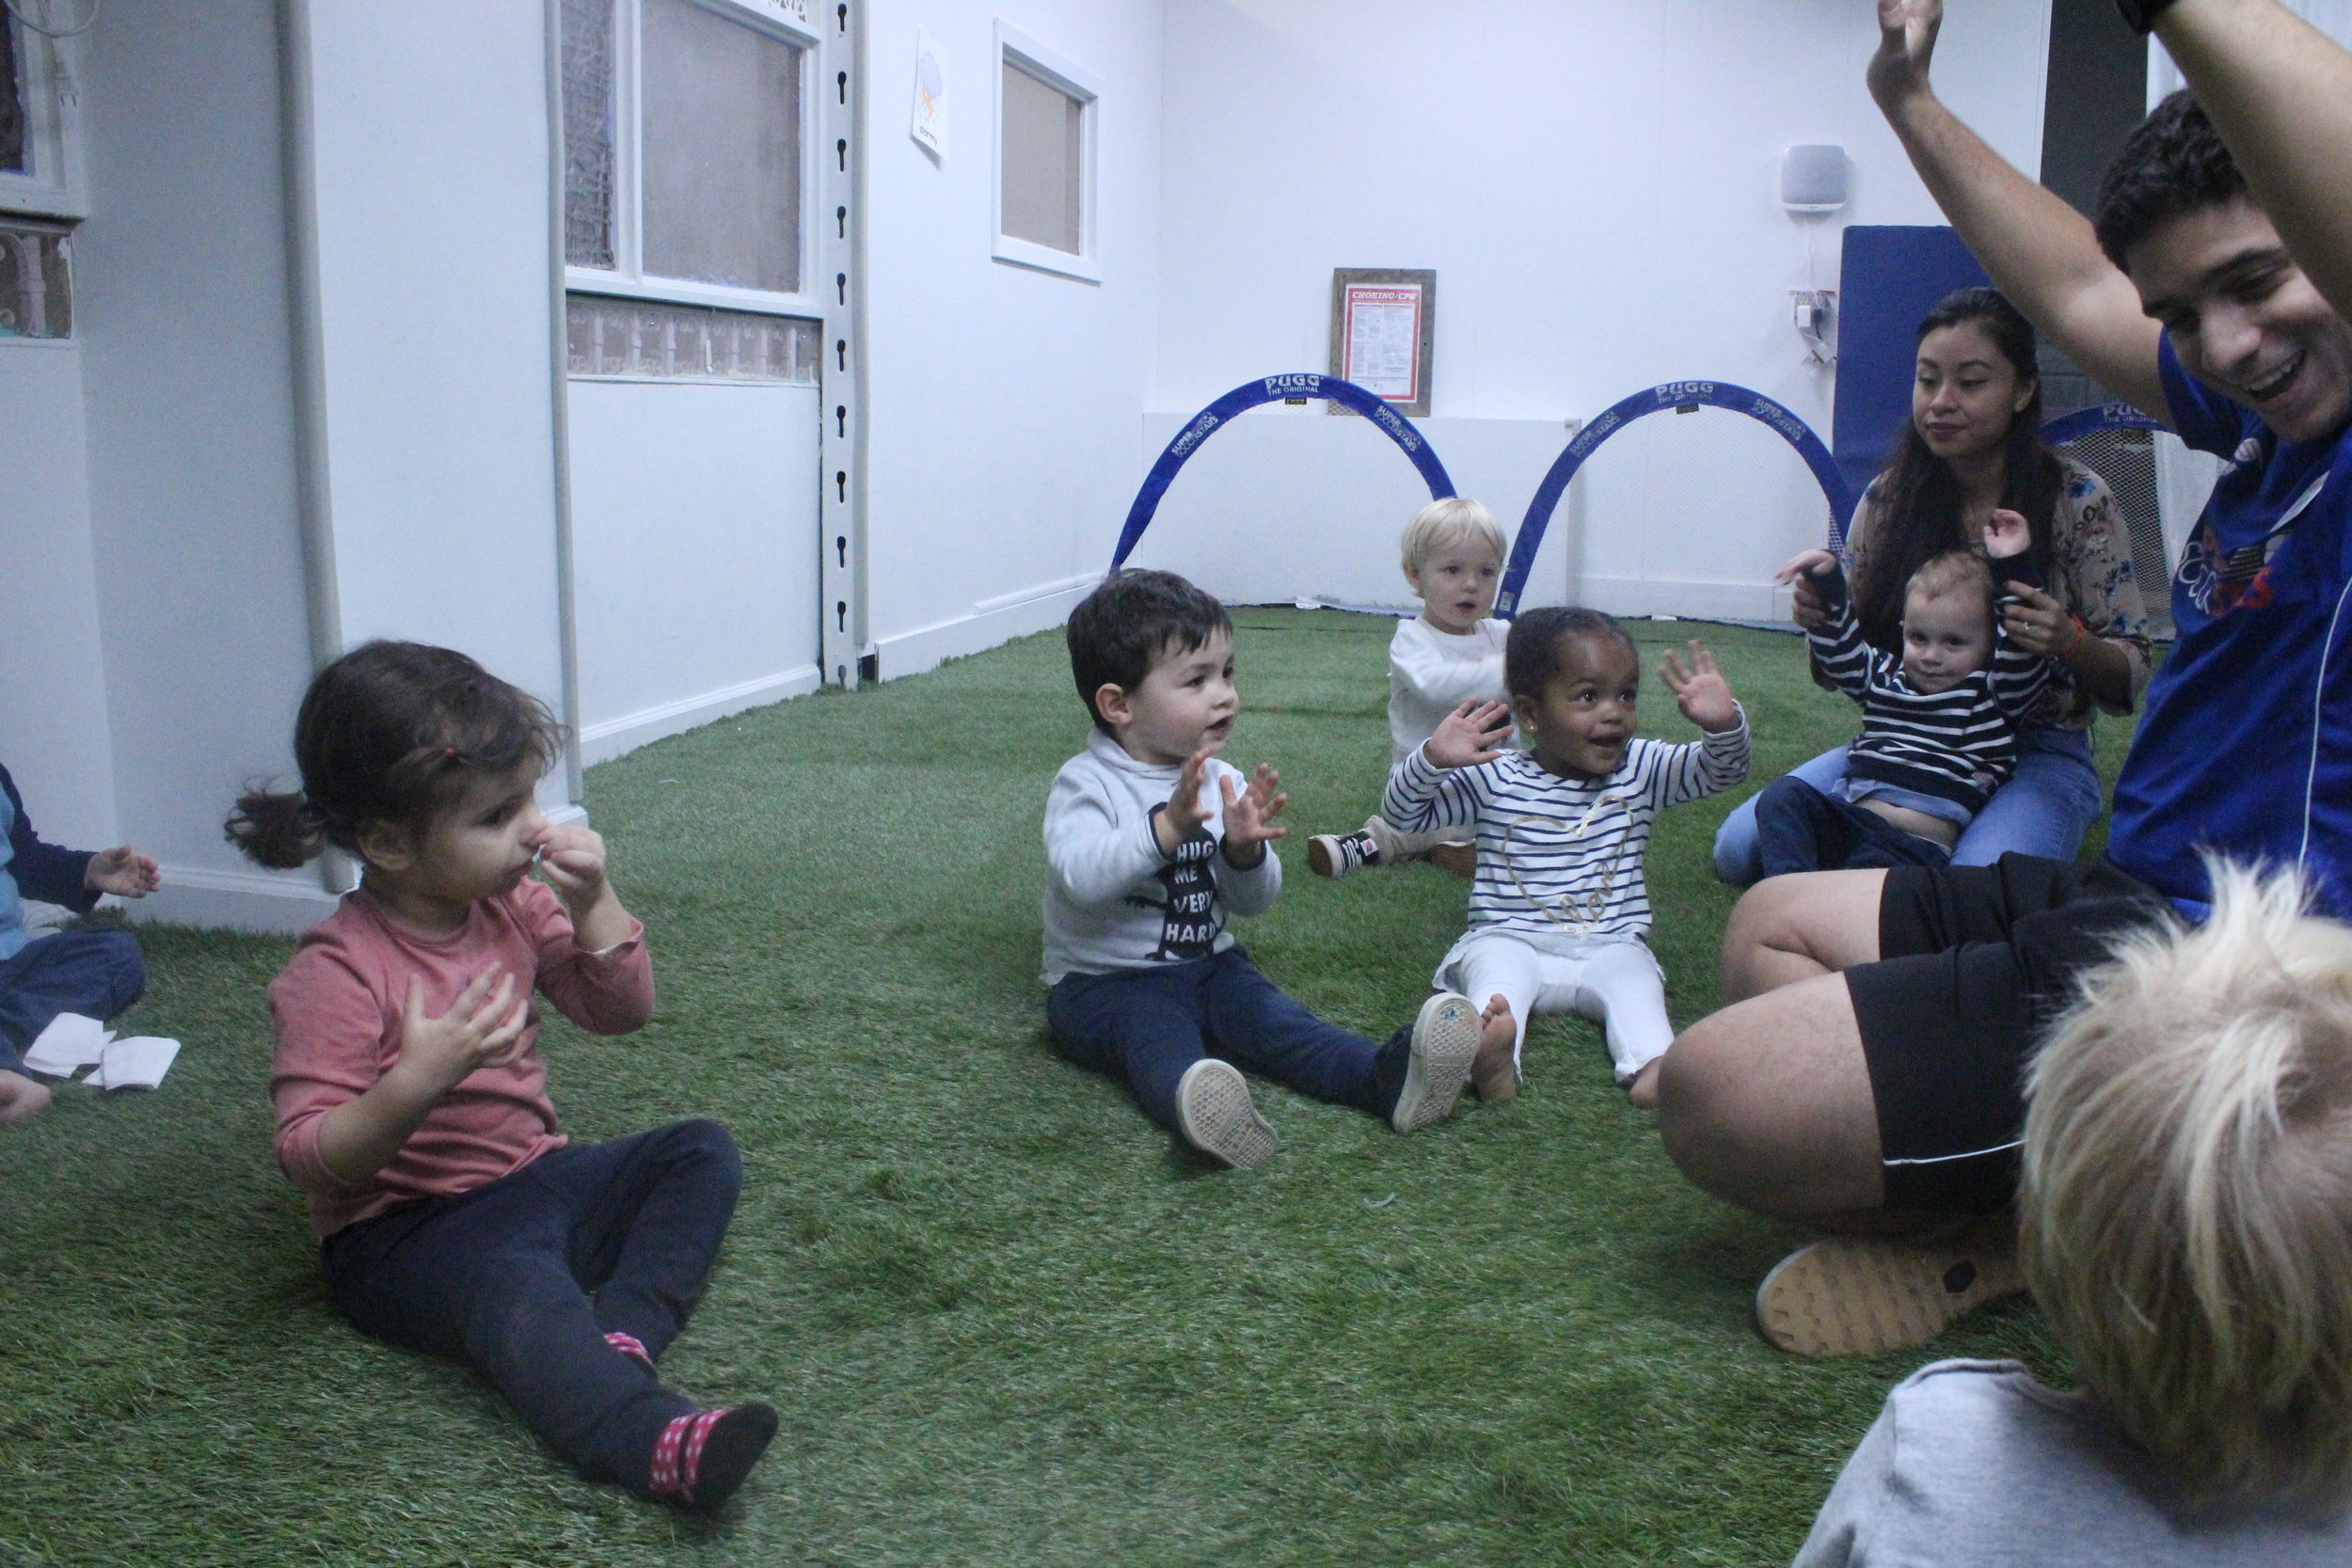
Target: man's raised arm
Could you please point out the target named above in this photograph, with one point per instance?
(2280, 92)
(2039, 251)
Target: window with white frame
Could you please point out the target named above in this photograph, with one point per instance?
(685, 157)
(1046, 110)
(40, 159)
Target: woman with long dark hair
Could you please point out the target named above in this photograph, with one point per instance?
(1974, 444)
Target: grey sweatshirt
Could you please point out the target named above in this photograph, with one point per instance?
(1112, 900)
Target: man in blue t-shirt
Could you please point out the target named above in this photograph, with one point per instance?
(1868, 1074)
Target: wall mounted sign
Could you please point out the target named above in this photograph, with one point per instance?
(1382, 325)
(930, 126)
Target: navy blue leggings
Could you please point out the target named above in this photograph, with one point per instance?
(522, 1277)
(1146, 1026)
(95, 972)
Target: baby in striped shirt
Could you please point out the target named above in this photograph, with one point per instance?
(1558, 913)
(1939, 724)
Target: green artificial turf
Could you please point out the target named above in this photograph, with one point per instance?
(1005, 1320)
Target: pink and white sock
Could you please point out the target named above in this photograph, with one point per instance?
(628, 1344)
(677, 1455)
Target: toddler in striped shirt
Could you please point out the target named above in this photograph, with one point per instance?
(1939, 722)
(1560, 913)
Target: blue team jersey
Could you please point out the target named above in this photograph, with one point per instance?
(2245, 745)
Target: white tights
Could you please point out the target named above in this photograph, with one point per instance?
(1613, 981)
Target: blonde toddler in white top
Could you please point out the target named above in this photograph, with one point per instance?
(1447, 655)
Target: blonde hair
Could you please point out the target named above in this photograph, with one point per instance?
(1951, 572)
(1443, 524)
(2186, 1201)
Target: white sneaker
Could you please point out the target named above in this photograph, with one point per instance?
(1445, 1043)
(1213, 1108)
(1337, 854)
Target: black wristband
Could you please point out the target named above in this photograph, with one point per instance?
(2140, 15)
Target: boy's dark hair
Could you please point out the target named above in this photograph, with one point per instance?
(1532, 654)
(1132, 622)
(390, 732)
(2173, 163)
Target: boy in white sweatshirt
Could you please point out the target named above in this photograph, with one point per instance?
(1151, 841)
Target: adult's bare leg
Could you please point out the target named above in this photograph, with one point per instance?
(1800, 927)
(1767, 1103)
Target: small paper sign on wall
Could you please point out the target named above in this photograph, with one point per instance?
(930, 126)
(1382, 328)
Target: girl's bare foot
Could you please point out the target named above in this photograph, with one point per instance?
(1643, 1091)
(21, 1098)
(1494, 1072)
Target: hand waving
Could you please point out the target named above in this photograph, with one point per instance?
(1700, 692)
(1907, 30)
(1249, 816)
(1471, 733)
(2006, 534)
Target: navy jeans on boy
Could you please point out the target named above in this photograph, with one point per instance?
(1148, 1026)
(524, 1277)
(97, 974)
(1800, 829)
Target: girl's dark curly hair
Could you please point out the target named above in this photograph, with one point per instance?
(389, 733)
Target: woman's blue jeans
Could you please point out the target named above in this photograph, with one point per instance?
(2044, 810)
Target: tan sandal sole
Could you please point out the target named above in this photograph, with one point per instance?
(1852, 1297)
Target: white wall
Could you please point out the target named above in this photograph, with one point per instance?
(1003, 433)
(1317, 504)
(694, 522)
(182, 296)
(431, 161)
(1596, 183)
(52, 668)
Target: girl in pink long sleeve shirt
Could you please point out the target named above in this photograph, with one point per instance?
(452, 1214)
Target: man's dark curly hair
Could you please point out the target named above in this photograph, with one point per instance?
(2173, 163)
(1131, 623)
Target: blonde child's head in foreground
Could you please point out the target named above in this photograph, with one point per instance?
(2186, 1207)
(1948, 621)
(1453, 556)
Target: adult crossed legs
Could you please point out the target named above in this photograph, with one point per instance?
(1767, 1102)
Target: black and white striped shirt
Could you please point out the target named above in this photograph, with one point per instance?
(1959, 744)
(1559, 854)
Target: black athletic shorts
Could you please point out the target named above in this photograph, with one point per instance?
(1976, 963)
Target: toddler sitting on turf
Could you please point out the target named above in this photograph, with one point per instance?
(1939, 726)
(1560, 915)
(2185, 1222)
(1150, 840)
(95, 972)
(452, 1214)
(1450, 654)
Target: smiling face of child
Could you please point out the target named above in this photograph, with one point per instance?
(1186, 704)
(1582, 721)
(1947, 637)
(1457, 584)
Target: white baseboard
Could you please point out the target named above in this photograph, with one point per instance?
(992, 621)
(614, 738)
(1715, 601)
(240, 900)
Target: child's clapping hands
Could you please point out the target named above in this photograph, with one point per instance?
(1248, 813)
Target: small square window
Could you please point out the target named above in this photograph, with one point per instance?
(13, 159)
(35, 281)
(723, 151)
(1044, 162)
(1045, 152)
(684, 149)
